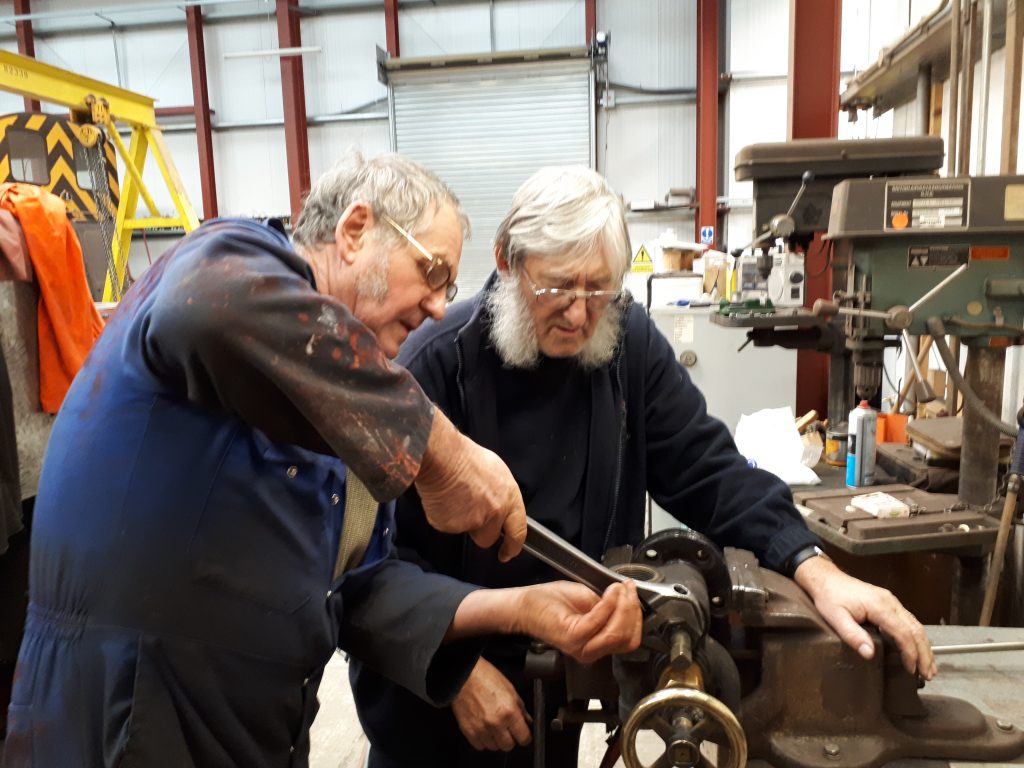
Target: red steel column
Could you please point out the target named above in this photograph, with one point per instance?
(391, 27)
(590, 20)
(26, 42)
(201, 102)
(707, 117)
(814, 41)
(296, 136)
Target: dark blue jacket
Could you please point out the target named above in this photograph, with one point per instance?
(649, 432)
(188, 517)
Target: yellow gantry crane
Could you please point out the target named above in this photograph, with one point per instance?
(94, 105)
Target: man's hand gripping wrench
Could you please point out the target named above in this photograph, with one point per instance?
(576, 565)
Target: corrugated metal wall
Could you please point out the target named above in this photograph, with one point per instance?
(486, 129)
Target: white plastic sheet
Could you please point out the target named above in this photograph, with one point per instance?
(769, 440)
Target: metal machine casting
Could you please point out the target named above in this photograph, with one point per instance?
(736, 664)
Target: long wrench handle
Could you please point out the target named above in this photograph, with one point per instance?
(549, 548)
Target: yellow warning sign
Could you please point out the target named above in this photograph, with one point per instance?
(642, 261)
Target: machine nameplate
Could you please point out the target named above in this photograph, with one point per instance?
(932, 256)
(939, 204)
(1013, 202)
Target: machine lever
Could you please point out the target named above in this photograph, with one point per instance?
(939, 286)
(578, 566)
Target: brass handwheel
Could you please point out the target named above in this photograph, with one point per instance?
(684, 718)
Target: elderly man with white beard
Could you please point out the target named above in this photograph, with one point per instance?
(555, 369)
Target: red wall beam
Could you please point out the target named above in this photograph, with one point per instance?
(590, 20)
(707, 117)
(201, 102)
(296, 136)
(814, 68)
(391, 27)
(26, 42)
(814, 42)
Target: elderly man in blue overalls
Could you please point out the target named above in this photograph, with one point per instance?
(185, 590)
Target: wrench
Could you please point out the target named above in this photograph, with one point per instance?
(544, 545)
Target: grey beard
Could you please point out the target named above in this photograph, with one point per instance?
(373, 283)
(515, 338)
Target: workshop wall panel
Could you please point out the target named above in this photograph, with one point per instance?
(758, 37)
(444, 30)
(505, 25)
(94, 55)
(520, 25)
(327, 143)
(343, 76)
(653, 44)
(245, 89)
(251, 172)
(756, 113)
(155, 62)
(646, 149)
(485, 129)
(868, 27)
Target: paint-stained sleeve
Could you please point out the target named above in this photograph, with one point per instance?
(244, 335)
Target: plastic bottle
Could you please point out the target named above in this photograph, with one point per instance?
(860, 460)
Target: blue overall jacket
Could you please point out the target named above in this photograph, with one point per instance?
(648, 431)
(188, 518)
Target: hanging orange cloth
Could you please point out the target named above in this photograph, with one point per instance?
(68, 321)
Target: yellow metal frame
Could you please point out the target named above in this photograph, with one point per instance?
(104, 104)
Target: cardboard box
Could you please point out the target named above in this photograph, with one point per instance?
(677, 260)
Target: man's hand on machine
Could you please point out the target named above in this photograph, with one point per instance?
(490, 713)
(565, 615)
(846, 602)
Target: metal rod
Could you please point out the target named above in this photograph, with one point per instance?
(913, 357)
(946, 650)
(969, 17)
(856, 312)
(922, 354)
(954, 88)
(986, 71)
(942, 284)
(995, 566)
(952, 390)
(540, 725)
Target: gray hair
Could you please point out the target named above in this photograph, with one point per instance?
(565, 212)
(390, 184)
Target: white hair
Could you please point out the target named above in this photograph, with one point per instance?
(390, 184)
(514, 334)
(565, 213)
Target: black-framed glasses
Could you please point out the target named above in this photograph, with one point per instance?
(438, 273)
(561, 299)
